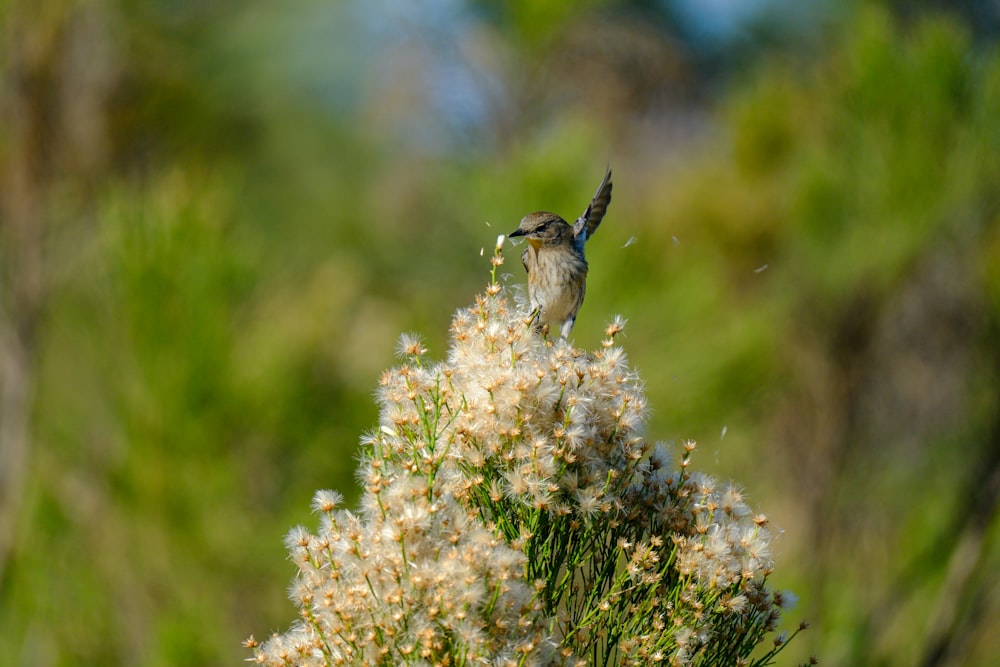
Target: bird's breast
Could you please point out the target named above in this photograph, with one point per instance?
(556, 282)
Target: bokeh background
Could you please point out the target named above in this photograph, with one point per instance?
(217, 217)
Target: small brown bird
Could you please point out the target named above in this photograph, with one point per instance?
(554, 260)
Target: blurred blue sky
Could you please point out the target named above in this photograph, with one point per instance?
(435, 53)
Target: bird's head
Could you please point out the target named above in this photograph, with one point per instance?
(543, 228)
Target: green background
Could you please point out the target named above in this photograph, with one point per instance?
(217, 217)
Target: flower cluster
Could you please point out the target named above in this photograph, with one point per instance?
(411, 581)
(514, 513)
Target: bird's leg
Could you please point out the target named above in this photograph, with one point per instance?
(534, 318)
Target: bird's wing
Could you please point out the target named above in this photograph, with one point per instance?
(587, 223)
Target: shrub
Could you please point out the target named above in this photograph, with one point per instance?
(514, 514)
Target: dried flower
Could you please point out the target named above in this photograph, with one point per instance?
(514, 513)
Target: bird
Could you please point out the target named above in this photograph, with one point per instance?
(555, 262)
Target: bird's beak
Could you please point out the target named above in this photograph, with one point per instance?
(517, 232)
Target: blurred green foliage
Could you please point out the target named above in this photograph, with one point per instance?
(235, 208)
